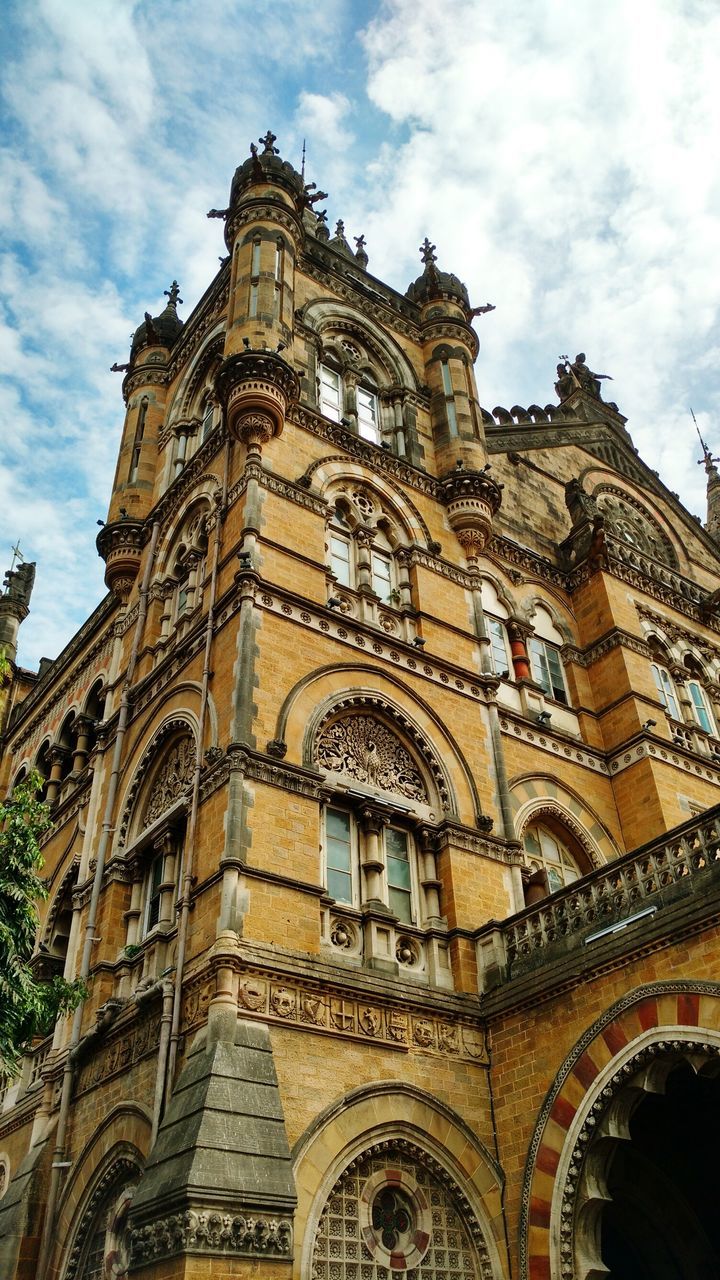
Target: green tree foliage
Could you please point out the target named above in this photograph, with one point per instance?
(28, 1007)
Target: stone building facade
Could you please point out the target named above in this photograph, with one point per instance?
(385, 786)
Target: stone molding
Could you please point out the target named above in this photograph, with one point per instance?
(559, 747)
(177, 726)
(321, 267)
(211, 1230)
(199, 322)
(378, 459)
(120, 1170)
(327, 1009)
(657, 749)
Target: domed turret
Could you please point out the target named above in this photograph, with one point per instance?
(437, 285)
(266, 166)
(162, 330)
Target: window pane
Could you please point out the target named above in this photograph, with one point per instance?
(330, 393)
(253, 299)
(398, 874)
(446, 379)
(339, 855)
(451, 417)
(669, 691)
(367, 407)
(278, 261)
(498, 650)
(255, 264)
(702, 715)
(340, 559)
(381, 576)
(538, 663)
(557, 679)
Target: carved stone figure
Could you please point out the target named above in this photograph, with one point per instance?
(365, 749)
(173, 779)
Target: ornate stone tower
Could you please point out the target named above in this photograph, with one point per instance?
(385, 824)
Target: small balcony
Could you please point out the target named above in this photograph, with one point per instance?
(616, 905)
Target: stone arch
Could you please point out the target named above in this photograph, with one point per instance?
(391, 730)
(315, 696)
(55, 939)
(332, 471)
(560, 621)
(599, 480)
(113, 1156)
(199, 504)
(536, 794)
(178, 728)
(324, 316)
(379, 1120)
(195, 374)
(630, 1043)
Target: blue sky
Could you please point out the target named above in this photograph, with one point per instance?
(561, 154)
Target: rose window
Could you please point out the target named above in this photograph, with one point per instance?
(391, 1219)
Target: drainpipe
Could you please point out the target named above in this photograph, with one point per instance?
(59, 1161)
(164, 1085)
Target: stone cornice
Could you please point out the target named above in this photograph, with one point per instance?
(613, 639)
(58, 692)
(367, 294)
(363, 451)
(660, 750)
(560, 746)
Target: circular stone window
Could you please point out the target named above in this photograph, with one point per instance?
(395, 1219)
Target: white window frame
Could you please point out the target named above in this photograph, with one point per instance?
(383, 585)
(150, 897)
(208, 420)
(701, 709)
(357, 838)
(540, 665)
(368, 415)
(667, 692)
(498, 636)
(329, 377)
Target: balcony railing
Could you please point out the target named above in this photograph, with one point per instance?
(607, 897)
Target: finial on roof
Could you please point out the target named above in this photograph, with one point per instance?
(427, 252)
(360, 254)
(339, 227)
(360, 242)
(267, 141)
(707, 460)
(173, 294)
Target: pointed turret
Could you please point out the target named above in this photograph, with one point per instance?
(450, 347)
(264, 233)
(712, 524)
(15, 605)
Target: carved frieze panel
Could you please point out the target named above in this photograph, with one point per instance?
(172, 780)
(363, 748)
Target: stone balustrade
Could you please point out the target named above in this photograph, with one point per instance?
(607, 897)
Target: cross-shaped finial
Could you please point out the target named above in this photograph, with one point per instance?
(17, 555)
(359, 242)
(267, 141)
(340, 227)
(173, 294)
(427, 252)
(321, 216)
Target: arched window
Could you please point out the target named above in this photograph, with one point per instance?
(699, 700)
(548, 852)
(102, 1237)
(545, 661)
(664, 682)
(396, 1211)
(495, 615)
(362, 544)
(377, 860)
(188, 563)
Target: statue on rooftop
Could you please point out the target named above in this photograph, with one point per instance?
(574, 374)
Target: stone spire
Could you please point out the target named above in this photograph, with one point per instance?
(15, 603)
(710, 463)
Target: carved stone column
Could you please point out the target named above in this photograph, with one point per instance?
(364, 540)
(82, 727)
(518, 633)
(134, 911)
(166, 845)
(58, 757)
(372, 865)
(429, 878)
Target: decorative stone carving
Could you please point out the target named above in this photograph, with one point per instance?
(205, 1230)
(172, 780)
(472, 499)
(366, 750)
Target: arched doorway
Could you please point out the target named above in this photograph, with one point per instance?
(662, 1219)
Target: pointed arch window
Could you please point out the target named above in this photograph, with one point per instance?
(548, 853)
(545, 660)
(335, 391)
(700, 706)
(495, 613)
(362, 556)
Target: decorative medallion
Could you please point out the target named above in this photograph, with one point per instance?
(365, 749)
(172, 780)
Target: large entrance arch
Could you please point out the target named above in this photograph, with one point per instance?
(620, 1179)
(661, 1218)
